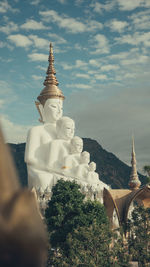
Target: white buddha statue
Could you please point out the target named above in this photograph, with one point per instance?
(92, 177)
(73, 158)
(81, 171)
(39, 137)
(52, 152)
(59, 148)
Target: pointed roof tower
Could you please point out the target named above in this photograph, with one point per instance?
(51, 89)
(134, 182)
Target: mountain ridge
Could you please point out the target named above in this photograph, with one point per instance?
(111, 169)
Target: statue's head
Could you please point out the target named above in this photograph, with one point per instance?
(53, 110)
(92, 166)
(65, 127)
(76, 145)
(85, 157)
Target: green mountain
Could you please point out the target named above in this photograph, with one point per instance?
(111, 170)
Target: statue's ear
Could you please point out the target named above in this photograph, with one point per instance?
(40, 109)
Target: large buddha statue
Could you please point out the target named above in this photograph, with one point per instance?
(52, 152)
(39, 137)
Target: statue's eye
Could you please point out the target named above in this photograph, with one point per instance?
(53, 106)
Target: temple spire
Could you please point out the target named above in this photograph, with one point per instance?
(134, 182)
(51, 89)
(51, 78)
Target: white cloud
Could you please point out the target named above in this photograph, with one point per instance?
(31, 24)
(120, 55)
(131, 5)
(20, 40)
(72, 25)
(13, 133)
(94, 62)
(101, 44)
(30, 40)
(5, 7)
(94, 25)
(140, 59)
(38, 57)
(37, 77)
(117, 25)
(98, 7)
(39, 42)
(109, 67)
(80, 64)
(82, 75)
(57, 38)
(79, 86)
(79, 47)
(101, 77)
(9, 27)
(63, 21)
(35, 2)
(66, 66)
(135, 39)
(141, 20)
(79, 2)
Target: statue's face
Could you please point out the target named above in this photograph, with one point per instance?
(77, 145)
(53, 110)
(67, 129)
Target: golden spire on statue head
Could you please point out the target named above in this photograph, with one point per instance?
(51, 89)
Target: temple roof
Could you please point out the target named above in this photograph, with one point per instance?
(121, 199)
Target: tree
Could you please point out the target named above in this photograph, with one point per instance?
(89, 246)
(79, 230)
(120, 249)
(67, 210)
(139, 235)
(146, 169)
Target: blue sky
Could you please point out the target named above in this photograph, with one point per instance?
(102, 62)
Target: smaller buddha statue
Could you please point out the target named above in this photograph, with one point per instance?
(72, 160)
(59, 148)
(81, 171)
(92, 177)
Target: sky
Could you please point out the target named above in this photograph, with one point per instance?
(102, 62)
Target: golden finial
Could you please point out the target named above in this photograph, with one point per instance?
(51, 89)
(134, 182)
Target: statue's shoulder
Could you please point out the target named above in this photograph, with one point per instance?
(36, 129)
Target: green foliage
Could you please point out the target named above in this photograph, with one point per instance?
(146, 169)
(120, 250)
(67, 210)
(139, 235)
(89, 246)
(79, 231)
